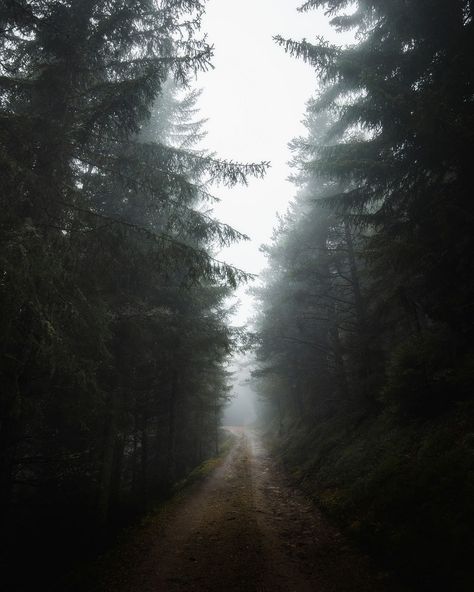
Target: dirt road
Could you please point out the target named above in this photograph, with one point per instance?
(245, 529)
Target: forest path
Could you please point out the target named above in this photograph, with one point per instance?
(246, 529)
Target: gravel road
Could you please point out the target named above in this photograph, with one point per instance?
(245, 529)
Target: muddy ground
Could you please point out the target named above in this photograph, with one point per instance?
(244, 529)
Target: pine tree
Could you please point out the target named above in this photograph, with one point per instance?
(402, 95)
(110, 289)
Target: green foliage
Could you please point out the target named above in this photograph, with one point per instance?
(114, 330)
(404, 491)
(409, 172)
(419, 375)
(364, 336)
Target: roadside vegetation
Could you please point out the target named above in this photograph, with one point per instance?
(364, 339)
(113, 324)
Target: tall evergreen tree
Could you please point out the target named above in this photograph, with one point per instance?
(113, 328)
(364, 337)
(403, 98)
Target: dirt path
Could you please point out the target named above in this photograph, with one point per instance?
(246, 530)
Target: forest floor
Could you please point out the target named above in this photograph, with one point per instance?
(244, 529)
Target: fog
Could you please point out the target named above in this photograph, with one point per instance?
(348, 462)
(254, 100)
(241, 409)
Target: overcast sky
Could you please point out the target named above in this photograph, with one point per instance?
(254, 100)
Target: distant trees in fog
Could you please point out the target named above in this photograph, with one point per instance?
(369, 291)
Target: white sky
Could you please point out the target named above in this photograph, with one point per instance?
(254, 100)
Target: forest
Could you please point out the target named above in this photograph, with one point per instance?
(116, 325)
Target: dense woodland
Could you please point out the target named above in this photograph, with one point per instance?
(114, 328)
(365, 333)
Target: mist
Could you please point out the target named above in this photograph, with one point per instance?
(241, 409)
(236, 295)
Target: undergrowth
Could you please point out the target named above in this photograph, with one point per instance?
(112, 568)
(404, 491)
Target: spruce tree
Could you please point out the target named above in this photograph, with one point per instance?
(402, 94)
(110, 286)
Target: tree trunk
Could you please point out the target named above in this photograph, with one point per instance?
(144, 462)
(358, 300)
(216, 428)
(116, 477)
(280, 415)
(110, 441)
(7, 463)
(341, 377)
(172, 401)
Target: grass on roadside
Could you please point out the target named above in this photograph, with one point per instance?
(110, 571)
